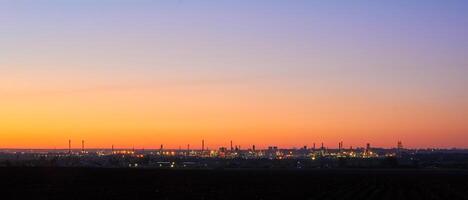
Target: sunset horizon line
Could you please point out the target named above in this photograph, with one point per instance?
(259, 146)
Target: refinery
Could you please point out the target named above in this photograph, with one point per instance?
(235, 157)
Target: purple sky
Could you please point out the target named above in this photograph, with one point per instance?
(395, 54)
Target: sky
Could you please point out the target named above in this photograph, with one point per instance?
(142, 73)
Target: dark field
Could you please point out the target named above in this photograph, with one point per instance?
(98, 183)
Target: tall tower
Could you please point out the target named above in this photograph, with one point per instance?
(69, 147)
(82, 146)
(203, 145)
(232, 148)
(253, 147)
(322, 150)
(367, 149)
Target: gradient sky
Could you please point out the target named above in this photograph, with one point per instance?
(286, 73)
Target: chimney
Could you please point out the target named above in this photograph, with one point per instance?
(82, 146)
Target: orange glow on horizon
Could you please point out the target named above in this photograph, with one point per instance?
(146, 118)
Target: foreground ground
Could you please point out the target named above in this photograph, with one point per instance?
(97, 183)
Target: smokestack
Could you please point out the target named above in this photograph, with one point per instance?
(253, 147)
(82, 146)
(203, 145)
(69, 146)
(231, 146)
(314, 146)
(368, 148)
